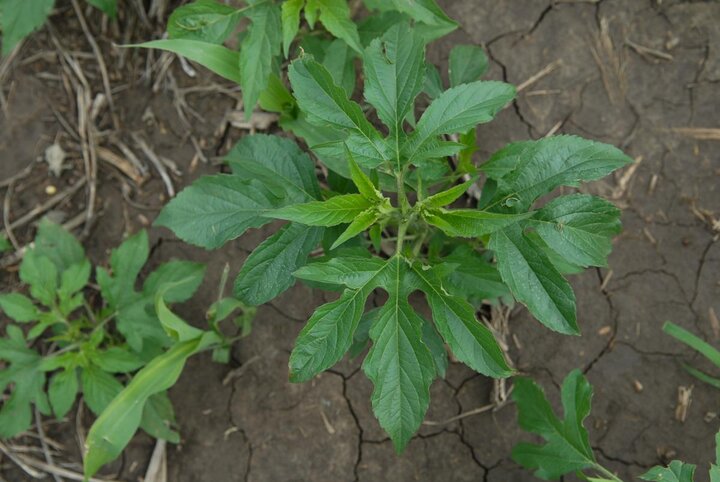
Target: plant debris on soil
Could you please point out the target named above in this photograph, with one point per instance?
(98, 138)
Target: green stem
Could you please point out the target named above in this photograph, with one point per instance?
(607, 473)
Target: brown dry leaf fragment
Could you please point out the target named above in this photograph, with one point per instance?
(714, 322)
(683, 402)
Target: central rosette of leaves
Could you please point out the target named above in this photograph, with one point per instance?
(417, 243)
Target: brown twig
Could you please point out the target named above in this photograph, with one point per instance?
(6, 216)
(100, 61)
(544, 72)
(156, 162)
(44, 445)
(47, 205)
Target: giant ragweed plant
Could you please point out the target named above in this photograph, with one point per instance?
(386, 221)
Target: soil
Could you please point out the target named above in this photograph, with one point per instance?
(625, 72)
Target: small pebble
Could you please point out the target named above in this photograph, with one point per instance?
(637, 386)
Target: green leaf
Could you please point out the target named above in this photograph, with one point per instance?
(362, 182)
(336, 210)
(335, 16)
(5, 245)
(275, 159)
(177, 328)
(27, 378)
(457, 110)
(567, 448)
(394, 74)
(703, 377)
(73, 279)
(534, 280)
(470, 223)
(327, 335)
(449, 196)
(436, 346)
(203, 20)
(62, 391)
(677, 471)
(362, 222)
(579, 228)
(277, 98)
(221, 60)
(40, 274)
(290, 22)
(470, 341)
(432, 85)
(399, 364)
(99, 388)
(467, 64)
(375, 25)
(326, 104)
(474, 277)
(268, 270)
(215, 209)
(126, 262)
(157, 418)
(437, 23)
(108, 7)
(19, 307)
(694, 342)
(184, 276)
(329, 332)
(117, 360)
(352, 271)
(116, 425)
(57, 244)
(19, 18)
(339, 60)
(543, 165)
(259, 48)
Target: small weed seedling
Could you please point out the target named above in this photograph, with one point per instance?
(385, 220)
(568, 448)
(19, 18)
(76, 343)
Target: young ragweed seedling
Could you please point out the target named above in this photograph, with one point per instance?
(78, 343)
(392, 227)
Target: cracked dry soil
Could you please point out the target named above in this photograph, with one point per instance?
(665, 266)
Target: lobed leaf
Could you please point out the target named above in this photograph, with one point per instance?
(567, 447)
(399, 364)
